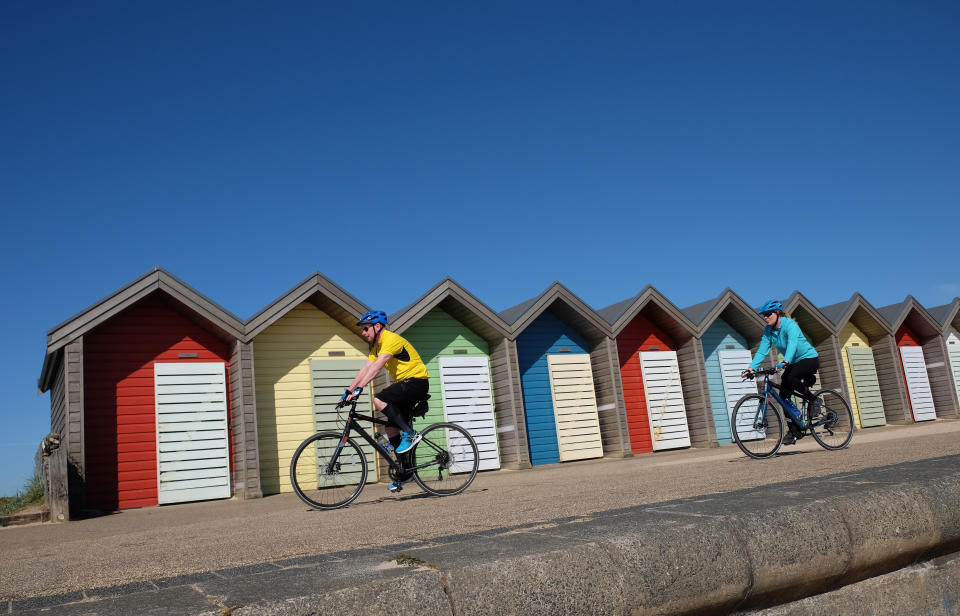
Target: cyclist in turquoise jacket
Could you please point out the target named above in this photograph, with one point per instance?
(800, 359)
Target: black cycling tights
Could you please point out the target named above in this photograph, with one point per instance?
(794, 376)
(396, 416)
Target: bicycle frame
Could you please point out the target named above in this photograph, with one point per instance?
(772, 389)
(353, 424)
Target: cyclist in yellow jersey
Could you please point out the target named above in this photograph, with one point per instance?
(410, 376)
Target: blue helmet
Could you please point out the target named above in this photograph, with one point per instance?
(374, 316)
(770, 305)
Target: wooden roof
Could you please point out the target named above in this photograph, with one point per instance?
(317, 289)
(655, 306)
(810, 319)
(211, 315)
(449, 295)
(911, 313)
(948, 315)
(731, 308)
(565, 305)
(861, 313)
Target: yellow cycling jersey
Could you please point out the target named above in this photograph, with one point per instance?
(405, 362)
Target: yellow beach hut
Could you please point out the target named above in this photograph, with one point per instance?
(870, 366)
(306, 350)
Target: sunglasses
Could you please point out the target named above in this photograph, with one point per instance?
(766, 314)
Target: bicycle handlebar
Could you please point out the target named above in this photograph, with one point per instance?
(762, 372)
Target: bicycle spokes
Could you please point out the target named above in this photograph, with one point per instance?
(834, 429)
(756, 425)
(446, 459)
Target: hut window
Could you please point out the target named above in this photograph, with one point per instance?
(338, 353)
(855, 344)
(188, 355)
(563, 350)
(459, 351)
(654, 348)
(731, 346)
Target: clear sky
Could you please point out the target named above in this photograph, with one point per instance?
(763, 146)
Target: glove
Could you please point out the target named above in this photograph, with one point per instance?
(347, 393)
(781, 365)
(746, 374)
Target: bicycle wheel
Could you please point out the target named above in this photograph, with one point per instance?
(448, 459)
(833, 426)
(322, 483)
(757, 430)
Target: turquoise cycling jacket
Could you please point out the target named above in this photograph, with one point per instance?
(788, 339)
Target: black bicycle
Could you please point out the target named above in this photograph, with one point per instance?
(758, 421)
(329, 469)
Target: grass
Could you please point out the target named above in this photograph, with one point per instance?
(413, 561)
(32, 493)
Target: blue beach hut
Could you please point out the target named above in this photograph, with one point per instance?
(569, 377)
(729, 333)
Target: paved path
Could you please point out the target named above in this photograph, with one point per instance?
(161, 542)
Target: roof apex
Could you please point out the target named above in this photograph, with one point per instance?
(444, 289)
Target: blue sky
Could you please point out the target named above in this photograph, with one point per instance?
(689, 145)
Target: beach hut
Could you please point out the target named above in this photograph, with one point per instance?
(729, 332)
(147, 397)
(923, 360)
(871, 370)
(820, 333)
(462, 342)
(948, 316)
(661, 373)
(306, 349)
(569, 375)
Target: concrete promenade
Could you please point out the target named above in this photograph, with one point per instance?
(716, 551)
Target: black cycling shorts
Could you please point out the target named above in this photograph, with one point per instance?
(405, 394)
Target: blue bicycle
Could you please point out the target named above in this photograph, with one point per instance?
(758, 419)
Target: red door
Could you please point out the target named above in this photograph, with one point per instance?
(906, 337)
(120, 439)
(639, 335)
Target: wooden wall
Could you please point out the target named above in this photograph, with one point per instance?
(119, 400)
(282, 354)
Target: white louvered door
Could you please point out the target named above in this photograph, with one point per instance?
(732, 363)
(866, 386)
(192, 441)
(327, 377)
(574, 406)
(953, 355)
(664, 396)
(468, 402)
(918, 383)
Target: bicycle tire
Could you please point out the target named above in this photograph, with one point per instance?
(838, 431)
(755, 440)
(453, 457)
(323, 488)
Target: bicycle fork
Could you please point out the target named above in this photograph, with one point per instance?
(332, 464)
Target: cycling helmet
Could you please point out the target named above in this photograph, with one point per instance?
(374, 316)
(769, 306)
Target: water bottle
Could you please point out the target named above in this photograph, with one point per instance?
(384, 443)
(793, 410)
